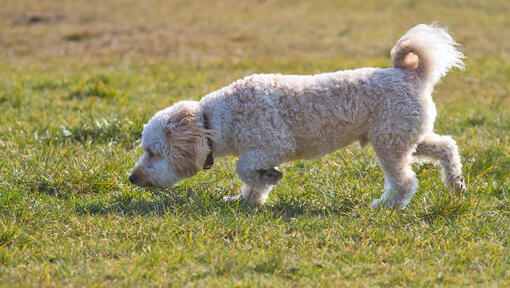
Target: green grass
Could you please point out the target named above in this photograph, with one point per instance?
(70, 128)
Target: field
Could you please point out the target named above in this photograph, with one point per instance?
(78, 79)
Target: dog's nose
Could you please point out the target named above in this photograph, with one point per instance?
(132, 178)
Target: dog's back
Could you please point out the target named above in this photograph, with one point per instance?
(318, 114)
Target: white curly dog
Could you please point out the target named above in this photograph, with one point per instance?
(269, 119)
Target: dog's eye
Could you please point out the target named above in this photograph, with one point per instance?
(149, 151)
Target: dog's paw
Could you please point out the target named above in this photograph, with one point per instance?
(231, 199)
(250, 202)
(459, 185)
(270, 176)
(382, 204)
(387, 204)
(376, 204)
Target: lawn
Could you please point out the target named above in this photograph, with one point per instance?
(78, 79)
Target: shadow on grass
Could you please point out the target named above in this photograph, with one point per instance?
(444, 207)
(130, 203)
(292, 206)
(189, 201)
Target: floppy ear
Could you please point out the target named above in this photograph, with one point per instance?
(185, 132)
(187, 122)
(181, 122)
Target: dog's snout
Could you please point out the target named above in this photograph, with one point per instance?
(132, 178)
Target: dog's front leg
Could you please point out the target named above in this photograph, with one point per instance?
(257, 171)
(270, 176)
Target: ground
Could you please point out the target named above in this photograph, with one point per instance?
(79, 78)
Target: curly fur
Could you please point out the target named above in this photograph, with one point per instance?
(269, 119)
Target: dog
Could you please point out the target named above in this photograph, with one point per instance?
(269, 119)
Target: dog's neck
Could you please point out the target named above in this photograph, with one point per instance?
(209, 161)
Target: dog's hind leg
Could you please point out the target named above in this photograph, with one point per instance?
(400, 180)
(443, 149)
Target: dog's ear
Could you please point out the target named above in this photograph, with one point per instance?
(183, 130)
(181, 122)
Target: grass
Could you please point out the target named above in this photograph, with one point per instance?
(72, 106)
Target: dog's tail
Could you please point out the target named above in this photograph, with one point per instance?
(429, 50)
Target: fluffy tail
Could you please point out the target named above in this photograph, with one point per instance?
(429, 50)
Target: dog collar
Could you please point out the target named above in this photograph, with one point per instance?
(209, 161)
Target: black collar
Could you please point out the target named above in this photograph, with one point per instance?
(209, 161)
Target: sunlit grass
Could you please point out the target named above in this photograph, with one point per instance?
(70, 129)
(68, 212)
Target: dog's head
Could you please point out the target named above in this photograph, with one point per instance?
(175, 146)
